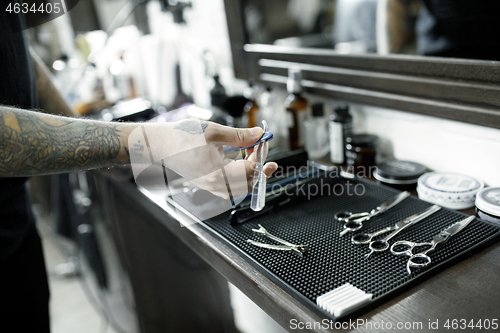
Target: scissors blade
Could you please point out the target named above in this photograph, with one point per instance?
(458, 226)
(417, 217)
(392, 202)
(271, 246)
(400, 226)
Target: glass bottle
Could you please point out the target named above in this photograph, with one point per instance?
(217, 93)
(340, 129)
(317, 132)
(362, 154)
(269, 113)
(251, 108)
(296, 108)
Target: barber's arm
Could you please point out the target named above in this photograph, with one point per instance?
(33, 143)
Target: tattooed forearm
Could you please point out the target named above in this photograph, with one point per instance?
(192, 126)
(34, 144)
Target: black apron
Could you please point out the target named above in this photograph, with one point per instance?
(23, 281)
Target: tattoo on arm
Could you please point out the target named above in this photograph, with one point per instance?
(192, 126)
(35, 144)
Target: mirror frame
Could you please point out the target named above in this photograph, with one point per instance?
(456, 89)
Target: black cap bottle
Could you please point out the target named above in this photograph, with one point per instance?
(340, 129)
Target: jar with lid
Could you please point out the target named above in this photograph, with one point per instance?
(488, 204)
(401, 175)
(450, 190)
(362, 153)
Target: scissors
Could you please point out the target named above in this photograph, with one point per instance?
(424, 259)
(382, 244)
(353, 222)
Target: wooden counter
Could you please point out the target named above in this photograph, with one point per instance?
(469, 290)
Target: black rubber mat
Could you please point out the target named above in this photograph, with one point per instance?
(331, 260)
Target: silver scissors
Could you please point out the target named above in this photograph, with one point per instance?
(382, 244)
(353, 222)
(422, 259)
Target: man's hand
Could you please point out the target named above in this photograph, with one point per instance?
(219, 135)
(33, 143)
(194, 149)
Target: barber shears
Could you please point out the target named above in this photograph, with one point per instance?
(382, 244)
(353, 222)
(421, 259)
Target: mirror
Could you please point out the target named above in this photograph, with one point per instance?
(289, 22)
(430, 57)
(449, 28)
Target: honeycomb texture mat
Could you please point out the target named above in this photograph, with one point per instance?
(333, 260)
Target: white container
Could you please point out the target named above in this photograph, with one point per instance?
(449, 190)
(488, 204)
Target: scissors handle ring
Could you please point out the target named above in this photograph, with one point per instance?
(353, 225)
(364, 238)
(342, 217)
(422, 257)
(408, 247)
(361, 238)
(378, 245)
(345, 216)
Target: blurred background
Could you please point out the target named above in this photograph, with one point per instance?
(110, 264)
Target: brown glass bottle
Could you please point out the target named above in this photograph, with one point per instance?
(251, 108)
(296, 109)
